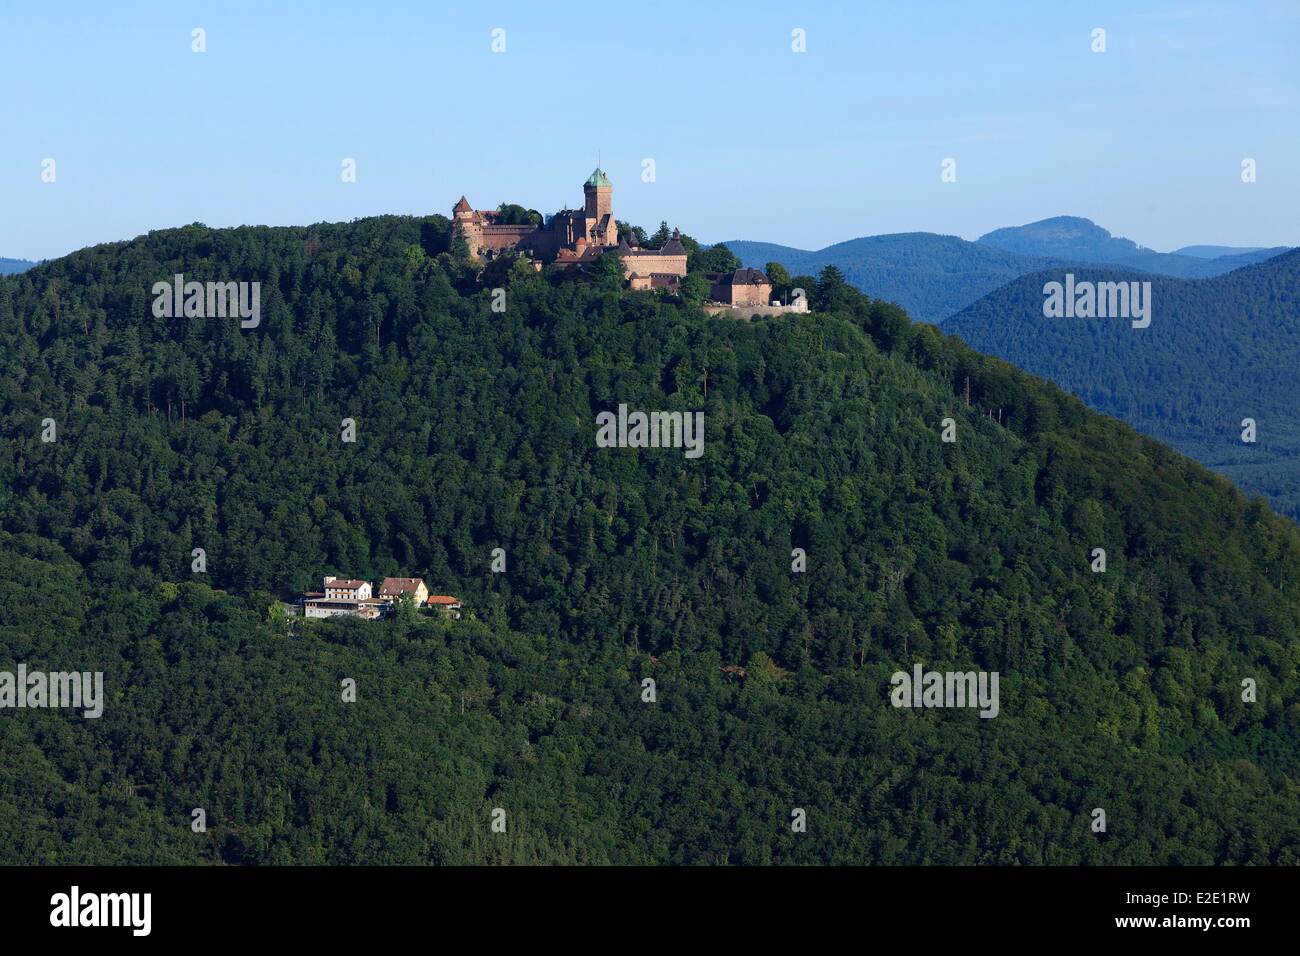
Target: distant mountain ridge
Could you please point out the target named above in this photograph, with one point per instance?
(934, 276)
(928, 275)
(1218, 252)
(1070, 236)
(10, 267)
(1075, 239)
(1217, 351)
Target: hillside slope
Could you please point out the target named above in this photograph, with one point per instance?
(1217, 351)
(475, 430)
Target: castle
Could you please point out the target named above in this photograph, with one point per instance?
(573, 237)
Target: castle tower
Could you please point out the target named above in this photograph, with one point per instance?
(466, 222)
(599, 192)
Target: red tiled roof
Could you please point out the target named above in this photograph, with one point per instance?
(443, 599)
(400, 585)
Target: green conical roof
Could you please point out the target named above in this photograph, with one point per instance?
(598, 178)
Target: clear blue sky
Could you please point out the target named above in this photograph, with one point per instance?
(751, 140)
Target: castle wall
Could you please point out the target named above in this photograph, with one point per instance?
(740, 293)
(498, 238)
(745, 313)
(750, 294)
(643, 264)
(545, 243)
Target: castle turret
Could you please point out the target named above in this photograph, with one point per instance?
(599, 192)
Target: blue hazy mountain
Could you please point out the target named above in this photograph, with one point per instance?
(10, 267)
(933, 277)
(1217, 351)
(1074, 239)
(929, 275)
(1218, 252)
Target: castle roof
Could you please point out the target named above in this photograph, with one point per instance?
(740, 277)
(583, 254)
(462, 206)
(599, 180)
(670, 248)
(673, 247)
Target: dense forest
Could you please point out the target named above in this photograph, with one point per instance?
(1217, 351)
(475, 431)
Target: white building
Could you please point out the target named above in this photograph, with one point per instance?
(344, 597)
(346, 589)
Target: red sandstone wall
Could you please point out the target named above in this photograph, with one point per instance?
(751, 294)
(644, 265)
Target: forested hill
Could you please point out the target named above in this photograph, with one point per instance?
(475, 430)
(1217, 351)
